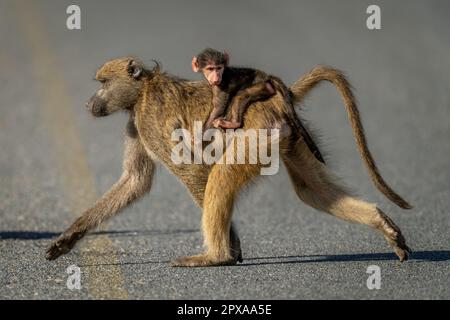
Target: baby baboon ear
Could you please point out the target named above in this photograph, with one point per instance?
(134, 69)
(226, 57)
(194, 64)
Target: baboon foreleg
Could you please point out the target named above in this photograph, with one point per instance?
(317, 188)
(221, 241)
(135, 181)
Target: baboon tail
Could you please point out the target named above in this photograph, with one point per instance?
(281, 87)
(321, 73)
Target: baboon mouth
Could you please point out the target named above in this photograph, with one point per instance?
(100, 113)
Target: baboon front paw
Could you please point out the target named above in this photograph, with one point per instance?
(61, 246)
(202, 260)
(56, 249)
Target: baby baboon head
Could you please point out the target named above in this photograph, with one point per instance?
(121, 81)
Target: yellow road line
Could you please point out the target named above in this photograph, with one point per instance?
(103, 282)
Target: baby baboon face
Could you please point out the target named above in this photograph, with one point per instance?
(121, 81)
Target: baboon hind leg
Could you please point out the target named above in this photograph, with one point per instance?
(221, 241)
(198, 196)
(319, 189)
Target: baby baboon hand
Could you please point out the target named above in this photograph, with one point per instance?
(62, 245)
(217, 123)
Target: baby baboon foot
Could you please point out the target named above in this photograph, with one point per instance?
(62, 245)
(202, 260)
(212, 125)
(216, 123)
(225, 124)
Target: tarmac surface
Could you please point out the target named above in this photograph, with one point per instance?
(56, 159)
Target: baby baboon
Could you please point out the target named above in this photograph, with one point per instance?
(239, 87)
(159, 103)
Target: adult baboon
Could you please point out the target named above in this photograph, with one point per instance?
(159, 103)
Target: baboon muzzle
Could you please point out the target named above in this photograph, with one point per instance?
(97, 106)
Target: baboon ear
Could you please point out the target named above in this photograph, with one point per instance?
(134, 69)
(194, 64)
(227, 58)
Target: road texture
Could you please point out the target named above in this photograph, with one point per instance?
(56, 159)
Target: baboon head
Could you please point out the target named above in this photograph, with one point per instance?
(121, 81)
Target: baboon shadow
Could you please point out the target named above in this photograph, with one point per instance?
(417, 256)
(39, 235)
(420, 256)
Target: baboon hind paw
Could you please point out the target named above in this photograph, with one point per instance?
(402, 251)
(398, 243)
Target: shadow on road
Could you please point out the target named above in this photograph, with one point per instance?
(419, 256)
(433, 256)
(26, 235)
(38, 235)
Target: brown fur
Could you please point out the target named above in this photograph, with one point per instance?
(320, 73)
(159, 103)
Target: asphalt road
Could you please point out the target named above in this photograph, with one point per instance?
(55, 158)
